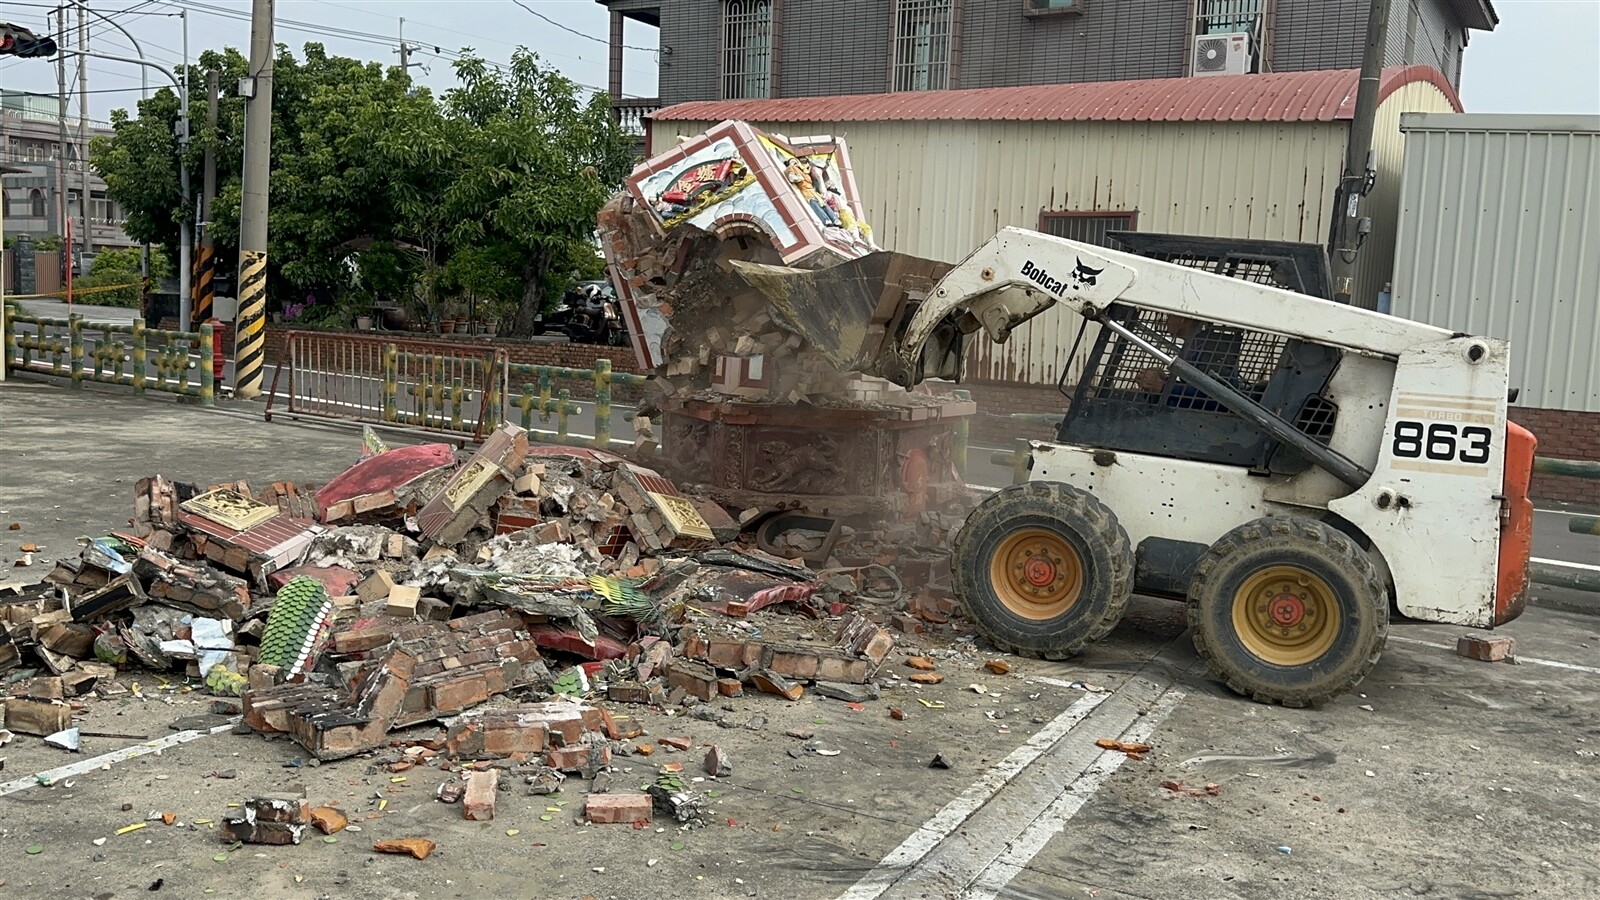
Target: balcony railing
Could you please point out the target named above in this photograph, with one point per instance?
(631, 112)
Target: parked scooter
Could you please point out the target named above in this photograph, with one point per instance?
(589, 314)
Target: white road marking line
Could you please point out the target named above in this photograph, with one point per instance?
(957, 811)
(1564, 564)
(1554, 664)
(50, 776)
(1049, 824)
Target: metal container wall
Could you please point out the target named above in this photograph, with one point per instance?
(1500, 236)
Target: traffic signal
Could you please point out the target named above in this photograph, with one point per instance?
(18, 41)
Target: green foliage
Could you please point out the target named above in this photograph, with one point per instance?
(48, 244)
(121, 267)
(382, 192)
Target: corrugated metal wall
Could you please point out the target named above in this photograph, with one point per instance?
(939, 189)
(1500, 235)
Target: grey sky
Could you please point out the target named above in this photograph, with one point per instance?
(1544, 57)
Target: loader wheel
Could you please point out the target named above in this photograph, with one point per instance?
(1288, 610)
(1043, 569)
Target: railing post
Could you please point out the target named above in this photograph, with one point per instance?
(208, 375)
(75, 352)
(958, 453)
(563, 403)
(602, 404)
(391, 381)
(544, 393)
(140, 356)
(10, 338)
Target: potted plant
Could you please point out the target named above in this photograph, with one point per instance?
(364, 322)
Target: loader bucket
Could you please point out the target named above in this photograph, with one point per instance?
(853, 312)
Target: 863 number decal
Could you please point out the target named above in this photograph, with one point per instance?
(1442, 441)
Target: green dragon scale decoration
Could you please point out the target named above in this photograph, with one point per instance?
(300, 618)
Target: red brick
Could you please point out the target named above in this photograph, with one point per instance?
(618, 809)
(478, 804)
(1486, 649)
(574, 759)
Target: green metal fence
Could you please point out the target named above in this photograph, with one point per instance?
(452, 387)
(533, 391)
(145, 359)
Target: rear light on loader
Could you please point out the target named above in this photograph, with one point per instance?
(1516, 525)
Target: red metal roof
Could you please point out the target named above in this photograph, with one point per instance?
(1323, 96)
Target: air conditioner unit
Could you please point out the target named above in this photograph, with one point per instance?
(1223, 54)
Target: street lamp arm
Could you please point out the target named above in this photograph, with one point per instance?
(137, 48)
(129, 59)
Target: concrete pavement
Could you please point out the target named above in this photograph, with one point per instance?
(1442, 777)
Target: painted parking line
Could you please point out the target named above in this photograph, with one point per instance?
(1564, 564)
(1021, 851)
(1551, 663)
(957, 811)
(51, 776)
(1018, 804)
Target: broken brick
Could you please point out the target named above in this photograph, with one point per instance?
(329, 820)
(677, 743)
(376, 586)
(403, 599)
(927, 678)
(411, 846)
(717, 763)
(1486, 649)
(772, 683)
(730, 687)
(478, 803)
(920, 662)
(696, 679)
(618, 809)
(236, 828)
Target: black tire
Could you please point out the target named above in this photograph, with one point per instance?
(1061, 515)
(1338, 653)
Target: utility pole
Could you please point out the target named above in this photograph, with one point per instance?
(185, 221)
(1349, 227)
(405, 52)
(249, 333)
(205, 267)
(62, 206)
(84, 195)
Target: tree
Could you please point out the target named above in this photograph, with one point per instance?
(507, 170)
(537, 161)
(121, 267)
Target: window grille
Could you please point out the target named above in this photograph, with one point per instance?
(1238, 357)
(1089, 228)
(922, 45)
(1228, 16)
(746, 49)
(36, 203)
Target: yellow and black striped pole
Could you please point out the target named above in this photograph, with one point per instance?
(250, 334)
(205, 290)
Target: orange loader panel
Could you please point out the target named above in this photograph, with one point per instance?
(1516, 525)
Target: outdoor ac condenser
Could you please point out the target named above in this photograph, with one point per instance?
(1222, 54)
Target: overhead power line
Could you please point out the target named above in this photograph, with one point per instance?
(590, 37)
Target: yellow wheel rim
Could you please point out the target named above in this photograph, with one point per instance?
(1286, 615)
(1036, 574)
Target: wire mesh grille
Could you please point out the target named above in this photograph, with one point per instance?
(1245, 360)
(746, 49)
(1317, 418)
(1244, 268)
(922, 45)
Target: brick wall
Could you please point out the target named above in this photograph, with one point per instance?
(1563, 434)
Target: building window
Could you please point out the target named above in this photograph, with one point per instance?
(921, 45)
(36, 203)
(1087, 227)
(1051, 7)
(746, 49)
(1229, 17)
(102, 211)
